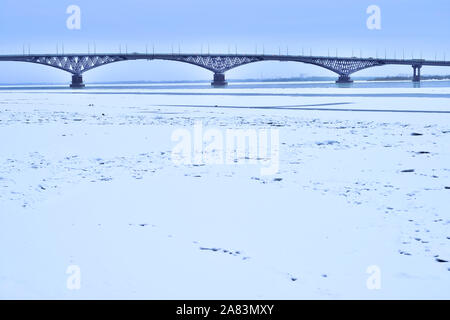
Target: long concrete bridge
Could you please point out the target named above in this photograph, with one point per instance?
(77, 64)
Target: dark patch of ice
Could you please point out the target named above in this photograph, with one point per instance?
(327, 143)
(209, 249)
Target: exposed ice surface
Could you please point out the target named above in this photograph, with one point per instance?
(86, 179)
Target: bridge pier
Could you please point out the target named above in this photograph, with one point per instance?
(344, 79)
(77, 81)
(416, 73)
(219, 80)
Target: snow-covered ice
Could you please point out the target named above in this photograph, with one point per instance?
(87, 180)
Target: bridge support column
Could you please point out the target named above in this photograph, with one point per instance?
(344, 79)
(77, 81)
(219, 80)
(416, 73)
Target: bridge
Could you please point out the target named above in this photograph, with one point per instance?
(77, 64)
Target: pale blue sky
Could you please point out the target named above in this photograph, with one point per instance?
(412, 25)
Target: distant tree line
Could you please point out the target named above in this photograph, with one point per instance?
(399, 78)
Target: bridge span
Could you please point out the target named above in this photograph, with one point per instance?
(77, 64)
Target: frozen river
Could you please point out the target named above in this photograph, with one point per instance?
(355, 204)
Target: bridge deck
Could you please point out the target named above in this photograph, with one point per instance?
(77, 64)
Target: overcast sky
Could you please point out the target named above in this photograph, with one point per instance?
(418, 27)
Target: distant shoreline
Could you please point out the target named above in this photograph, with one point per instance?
(251, 80)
